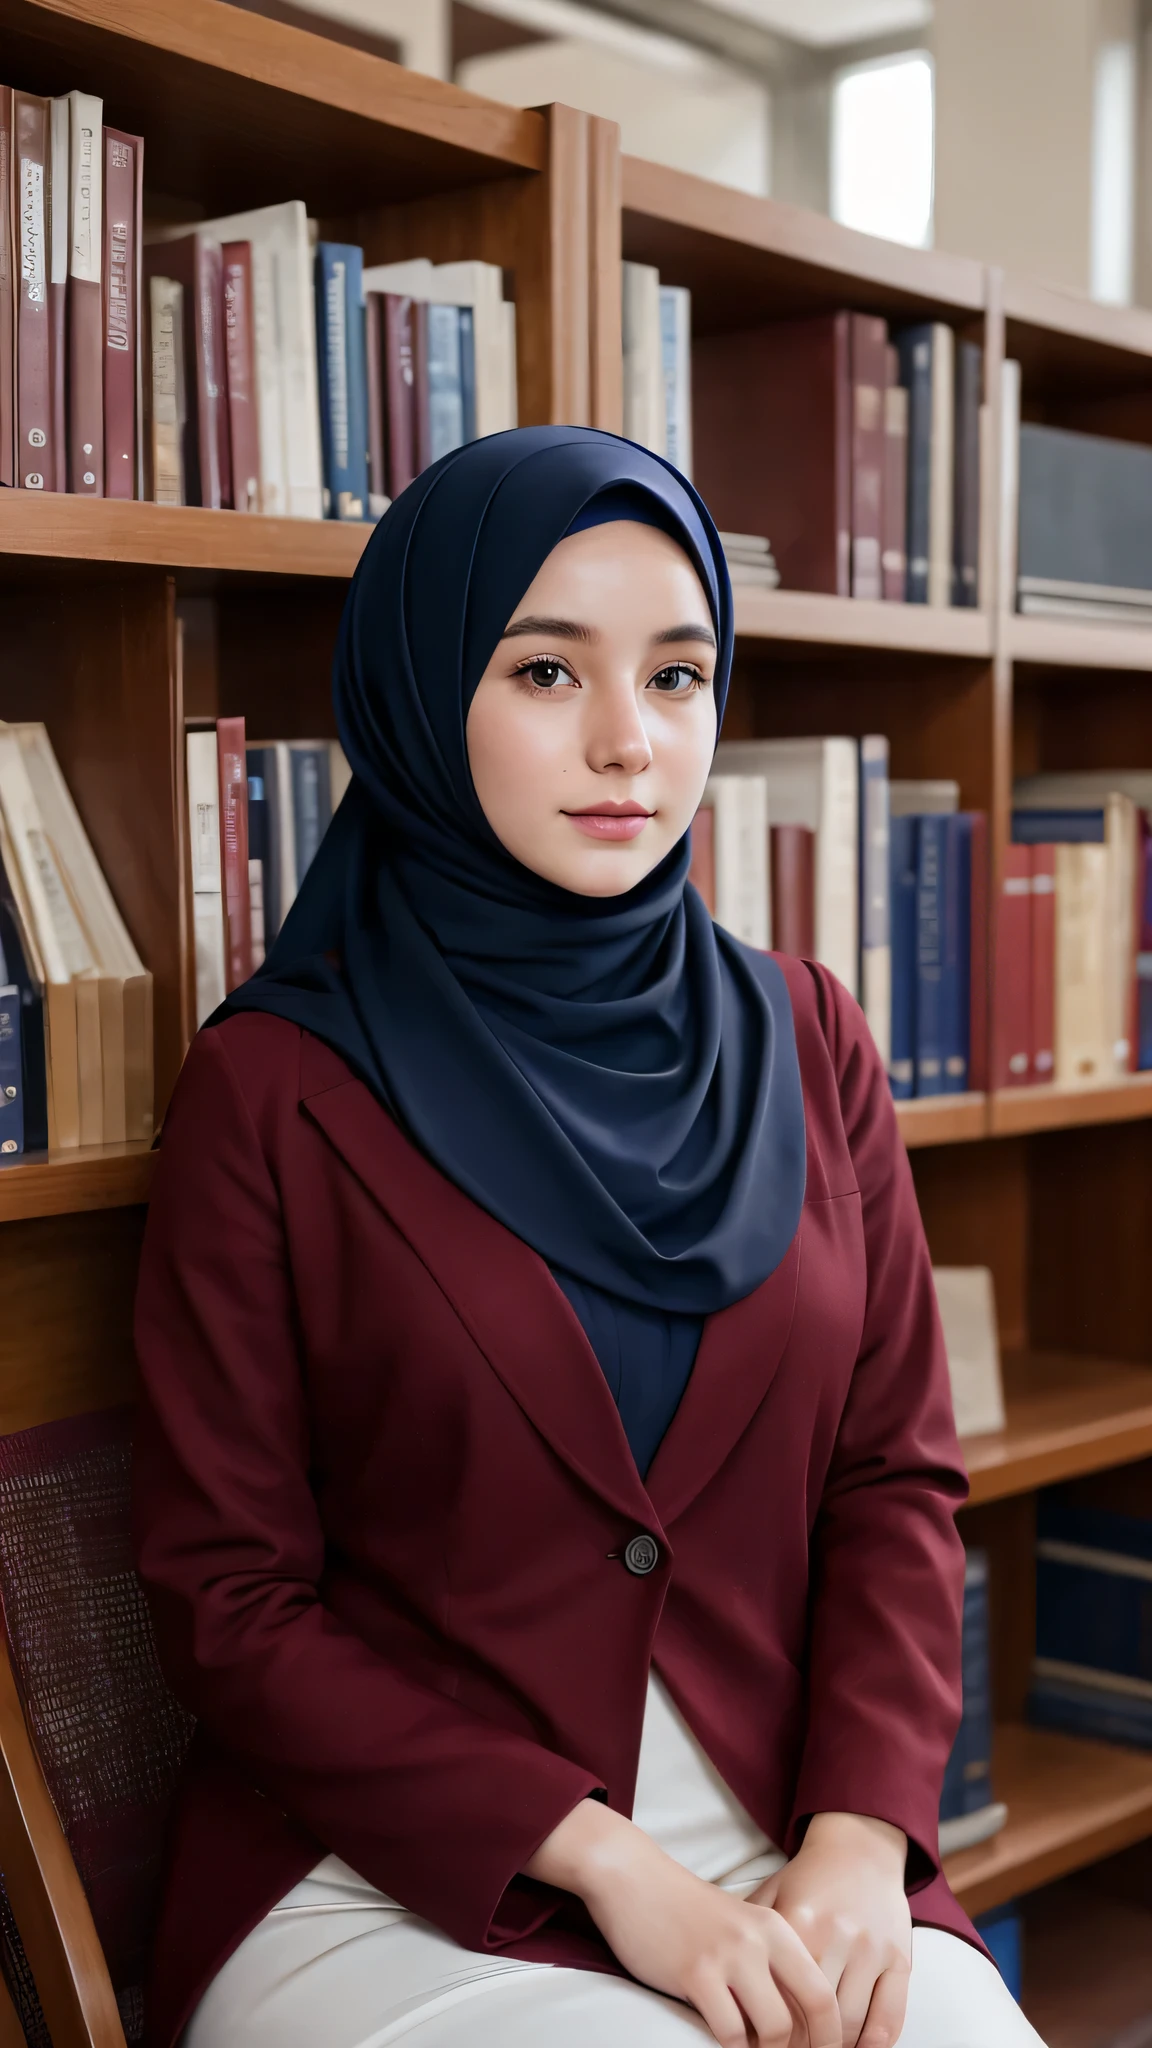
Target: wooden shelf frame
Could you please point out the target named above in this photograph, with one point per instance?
(1066, 1416)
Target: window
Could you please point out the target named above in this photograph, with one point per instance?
(882, 148)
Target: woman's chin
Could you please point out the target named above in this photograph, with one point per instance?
(605, 871)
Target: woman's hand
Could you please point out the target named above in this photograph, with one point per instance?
(843, 1893)
(746, 1971)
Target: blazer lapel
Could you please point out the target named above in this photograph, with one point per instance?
(740, 1349)
(502, 1291)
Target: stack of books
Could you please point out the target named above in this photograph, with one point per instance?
(657, 343)
(256, 816)
(238, 364)
(76, 999)
(1085, 525)
(968, 1811)
(1092, 1672)
(750, 560)
(858, 451)
(1074, 934)
(793, 848)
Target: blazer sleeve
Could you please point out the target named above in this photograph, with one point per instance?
(433, 1804)
(887, 1563)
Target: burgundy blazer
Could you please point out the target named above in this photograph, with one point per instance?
(383, 1494)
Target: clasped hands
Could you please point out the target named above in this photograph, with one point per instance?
(817, 1957)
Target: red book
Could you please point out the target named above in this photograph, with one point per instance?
(236, 887)
(240, 366)
(123, 180)
(399, 392)
(7, 303)
(35, 456)
(195, 262)
(893, 559)
(869, 357)
(1012, 1006)
(772, 431)
(1043, 1013)
(702, 873)
(978, 957)
(422, 417)
(793, 872)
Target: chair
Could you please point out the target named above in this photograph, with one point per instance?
(91, 1741)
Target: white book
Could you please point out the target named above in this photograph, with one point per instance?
(815, 782)
(413, 277)
(644, 408)
(58, 115)
(676, 355)
(86, 190)
(512, 402)
(1084, 1046)
(740, 854)
(207, 892)
(284, 320)
(926, 798)
(969, 1829)
(875, 894)
(940, 487)
(967, 1301)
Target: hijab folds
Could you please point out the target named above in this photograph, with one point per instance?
(615, 1079)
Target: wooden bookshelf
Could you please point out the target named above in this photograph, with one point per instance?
(89, 1177)
(1069, 1803)
(942, 1119)
(82, 531)
(1065, 1415)
(807, 616)
(1078, 643)
(1013, 1111)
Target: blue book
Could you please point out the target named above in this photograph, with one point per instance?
(1068, 828)
(343, 378)
(1094, 1590)
(968, 1777)
(956, 979)
(445, 381)
(1002, 1932)
(468, 370)
(1099, 1711)
(261, 765)
(11, 1073)
(311, 803)
(902, 911)
(33, 1080)
(915, 347)
(930, 986)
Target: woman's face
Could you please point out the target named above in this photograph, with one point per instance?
(592, 729)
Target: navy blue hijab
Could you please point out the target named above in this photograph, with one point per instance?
(615, 1079)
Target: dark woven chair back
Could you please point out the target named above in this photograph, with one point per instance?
(110, 1736)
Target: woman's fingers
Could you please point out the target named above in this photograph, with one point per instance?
(885, 2020)
(717, 2007)
(804, 1981)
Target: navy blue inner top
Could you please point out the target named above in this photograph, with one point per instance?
(645, 1354)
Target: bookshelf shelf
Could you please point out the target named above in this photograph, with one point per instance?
(1076, 643)
(802, 615)
(122, 533)
(1012, 1112)
(942, 1119)
(90, 1177)
(1066, 1415)
(1069, 1803)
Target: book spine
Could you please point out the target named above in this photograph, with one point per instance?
(345, 489)
(35, 456)
(676, 363)
(204, 346)
(240, 372)
(121, 180)
(1094, 1610)
(1043, 1004)
(702, 872)
(232, 771)
(58, 250)
(931, 993)
(941, 465)
(311, 804)
(204, 857)
(445, 387)
(257, 857)
(1083, 1048)
(893, 560)
(357, 378)
(875, 918)
(869, 357)
(915, 348)
(85, 298)
(7, 297)
(902, 856)
(968, 1777)
(1011, 1062)
(167, 411)
(956, 937)
(792, 865)
(842, 395)
(421, 397)
(468, 370)
(264, 835)
(978, 951)
(966, 502)
(374, 387)
(1144, 949)
(11, 1077)
(399, 392)
(1095, 1711)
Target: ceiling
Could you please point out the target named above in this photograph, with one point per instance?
(826, 22)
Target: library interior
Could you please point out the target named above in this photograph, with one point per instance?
(868, 284)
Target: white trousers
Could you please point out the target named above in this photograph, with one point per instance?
(338, 1965)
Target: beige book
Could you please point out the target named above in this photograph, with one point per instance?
(167, 391)
(645, 414)
(941, 466)
(967, 1302)
(35, 965)
(1122, 843)
(740, 852)
(63, 946)
(1084, 1050)
(207, 895)
(816, 783)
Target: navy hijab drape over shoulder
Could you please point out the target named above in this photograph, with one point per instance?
(615, 1079)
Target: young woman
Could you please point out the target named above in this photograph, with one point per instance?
(546, 1471)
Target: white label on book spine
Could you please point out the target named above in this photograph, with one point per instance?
(32, 228)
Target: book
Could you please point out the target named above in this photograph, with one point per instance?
(966, 481)
(11, 1071)
(966, 1299)
(266, 836)
(122, 270)
(1084, 815)
(7, 298)
(868, 345)
(792, 869)
(932, 995)
(23, 970)
(739, 805)
(194, 261)
(85, 309)
(35, 456)
(1085, 520)
(978, 909)
(446, 381)
(421, 388)
(206, 872)
(941, 460)
(235, 880)
(916, 799)
(772, 430)
(875, 927)
(902, 868)
(957, 960)
(967, 1787)
(73, 1027)
(1084, 1047)
(645, 405)
(1092, 1672)
(815, 783)
(702, 871)
(399, 391)
(1042, 1004)
(676, 364)
(1002, 1932)
(240, 376)
(311, 800)
(915, 351)
(893, 559)
(58, 253)
(257, 855)
(478, 290)
(1143, 1004)
(968, 1830)
(343, 379)
(1011, 1053)
(167, 406)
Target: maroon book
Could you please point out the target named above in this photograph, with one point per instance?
(123, 173)
(1043, 1008)
(1012, 1009)
(195, 262)
(35, 456)
(793, 872)
(374, 373)
(7, 305)
(421, 408)
(702, 873)
(894, 558)
(772, 431)
(57, 219)
(240, 365)
(869, 352)
(399, 392)
(85, 297)
(232, 771)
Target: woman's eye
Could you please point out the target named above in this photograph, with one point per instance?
(677, 680)
(545, 674)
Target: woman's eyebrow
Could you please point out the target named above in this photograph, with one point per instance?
(555, 629)
(688, 632)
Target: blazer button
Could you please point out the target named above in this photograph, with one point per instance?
(641, 1555)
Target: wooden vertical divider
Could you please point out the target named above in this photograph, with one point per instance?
(605, 321)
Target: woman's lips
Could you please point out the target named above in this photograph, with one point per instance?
(614, 821)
